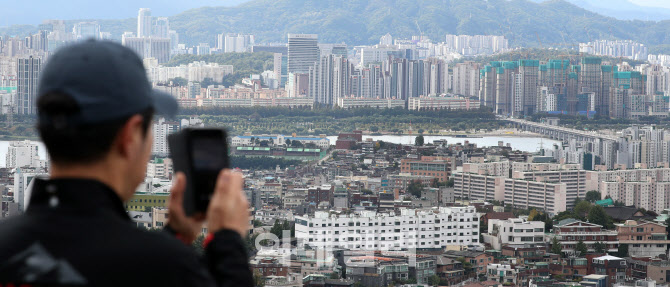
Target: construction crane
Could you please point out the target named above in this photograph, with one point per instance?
(419, 27)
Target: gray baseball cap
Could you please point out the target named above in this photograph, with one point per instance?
(106, 80)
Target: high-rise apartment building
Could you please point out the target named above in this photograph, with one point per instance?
(466, 79)
(144, 23)
(303, 52)
(161, 130)
(28, 69)
(329, 79)
(235, 43)
(591, 82)
(86, 30)
(174, 39)
(149, 47)
(506, 76)
(528, 74)
(161, 29)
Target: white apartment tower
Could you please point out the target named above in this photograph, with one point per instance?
(144, 23)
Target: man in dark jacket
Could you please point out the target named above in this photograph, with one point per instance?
(95, 108)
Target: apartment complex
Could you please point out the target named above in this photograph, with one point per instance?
(411, 228)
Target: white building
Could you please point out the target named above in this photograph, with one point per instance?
(278, 140)
(161, 130)
(235, 43)
(376, 54)
(412, 228)
(517, 231)
(503, 273)
(160, 168)
(22, 185)
(23, 154)
(193, 72)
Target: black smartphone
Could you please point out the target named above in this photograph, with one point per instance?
(200, 154)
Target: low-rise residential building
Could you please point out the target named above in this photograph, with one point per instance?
(442, 102)
(431, 228)
(643, 238)
(350, 103)
(514, 231)
(594, 280)
(659, 271)
(570, 268)
(269, 267)
(479, 260)
(376, 271)
(529, 253)
(613, 267)
(449, 270)
(503, 273)
(570, 231)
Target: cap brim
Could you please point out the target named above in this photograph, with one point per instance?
(164, 104)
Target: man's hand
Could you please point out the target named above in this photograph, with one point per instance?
(188, 228)
(228, 208)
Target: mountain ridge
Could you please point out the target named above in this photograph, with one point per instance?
(362, 22)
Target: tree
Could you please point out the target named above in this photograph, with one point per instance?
(421, 131)
(374, 129)
(581, 248)
(622, 251)
(556, 246)
(598, 216)
(582, 208)
(415, 188)
(592, 196)
(277, 229)
(450, 182)
(259, 281)
(599, 247)
(288, 142)
(179, 81)
(434, 280)
(548, 224)
(418, 141)
(334, 275)
(257, 223)
(533, 214)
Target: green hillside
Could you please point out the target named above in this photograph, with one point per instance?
(364, 21)
(359, 22)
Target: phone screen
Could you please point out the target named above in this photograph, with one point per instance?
(208, 154)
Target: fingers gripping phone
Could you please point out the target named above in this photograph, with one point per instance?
(200, 154)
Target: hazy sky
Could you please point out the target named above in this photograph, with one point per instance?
(651, 3)
(34, 11)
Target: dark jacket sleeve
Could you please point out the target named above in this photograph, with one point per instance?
(227, 260)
